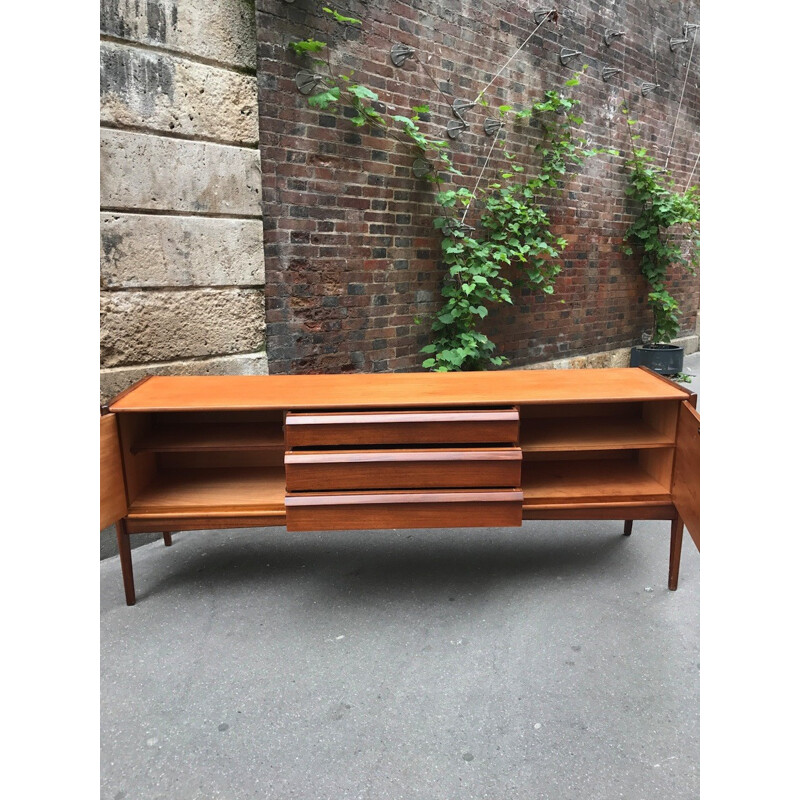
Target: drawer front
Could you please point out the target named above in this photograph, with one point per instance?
(404, 469)
(333, 512)
(493, 426)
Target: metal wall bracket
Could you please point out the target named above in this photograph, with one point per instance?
(421, 167)
(675, 42)
(610, 35)
(399, 53)
(610, 72)
(455, 128)
(461, 106)
(649, 87)
(689, 27)
(541, 14)
(307, 81)
(565, 56)
(491, 126)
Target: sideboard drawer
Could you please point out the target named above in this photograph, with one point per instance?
(331, 512)
(457, 426)
(496, 467)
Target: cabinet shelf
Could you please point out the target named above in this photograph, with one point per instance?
(590, 433)
(208, 437)
(595, 480)
(232, 489)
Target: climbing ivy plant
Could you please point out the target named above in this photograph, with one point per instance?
(514, 244)
(666, 219)
(514, 239)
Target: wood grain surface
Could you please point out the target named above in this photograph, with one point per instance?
(597, 480)
(113, 501)
(686, 479)
(403, 469)
(395, 390)
(195, 491)
(404, 510)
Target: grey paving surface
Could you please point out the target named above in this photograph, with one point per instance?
(549, 661)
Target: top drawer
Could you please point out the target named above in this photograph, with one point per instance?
(457, 426)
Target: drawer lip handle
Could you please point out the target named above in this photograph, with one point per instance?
(451, 456)
(400, 417)
(294, 501)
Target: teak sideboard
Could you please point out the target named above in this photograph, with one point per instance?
(399, 450)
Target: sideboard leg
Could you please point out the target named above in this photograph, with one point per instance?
(676, 540)
(124, 545)
(167, 539)
(628, 529)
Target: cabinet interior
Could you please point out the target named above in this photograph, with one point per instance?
(229, 461)
(597, 452)
(203, 461)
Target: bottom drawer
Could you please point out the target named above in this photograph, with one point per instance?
(338, 512)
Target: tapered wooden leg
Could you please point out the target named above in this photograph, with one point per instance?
(676, 540)
(628, 529)
(124, 545)
(167, 539)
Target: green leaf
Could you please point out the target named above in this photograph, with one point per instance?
(323, 99)
(362, 92)
(307, 46)
(341, 19)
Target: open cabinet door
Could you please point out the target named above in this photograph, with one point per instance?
(686, 477)
(113, 502)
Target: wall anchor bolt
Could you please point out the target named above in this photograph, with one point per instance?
(399, 53)
(421, 167)
(455, 128)
(565, 56)
(689, 27)
(675, 42)
(491, 126)
(460, 106)
(307, 81)
(610, 35)
(610, 72)
(541, 14)
(649, 87)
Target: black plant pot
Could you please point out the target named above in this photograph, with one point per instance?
(665, 359)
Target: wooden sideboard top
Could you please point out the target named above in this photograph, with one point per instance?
(396, 390)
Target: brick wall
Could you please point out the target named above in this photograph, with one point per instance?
(181, 256)
(351, 257)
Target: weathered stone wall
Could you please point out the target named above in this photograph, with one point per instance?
(181, 256)
(351, 256)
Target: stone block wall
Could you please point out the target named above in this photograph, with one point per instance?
(181, 256)
(351, 256)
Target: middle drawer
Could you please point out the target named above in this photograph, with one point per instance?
(319, 471)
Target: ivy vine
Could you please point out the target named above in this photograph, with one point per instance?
(514, 245)
(515, 238)
(666, 219)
